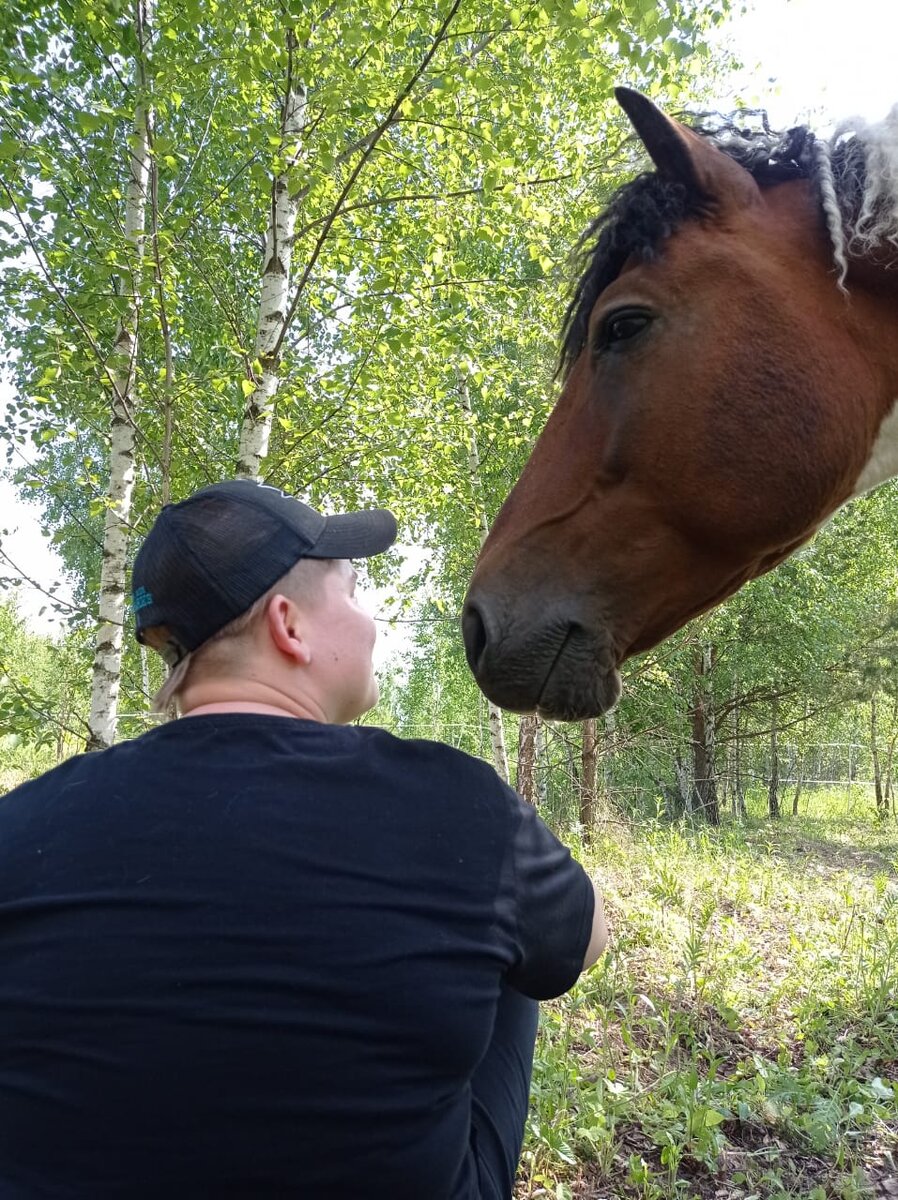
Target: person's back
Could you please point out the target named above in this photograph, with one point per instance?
(287, 973)
(257, 955)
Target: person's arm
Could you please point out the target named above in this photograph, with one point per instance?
(558, 921)
(599, 937)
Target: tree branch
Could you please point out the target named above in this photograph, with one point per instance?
(411, 197)
(357, 170)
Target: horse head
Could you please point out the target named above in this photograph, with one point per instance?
(722, 397)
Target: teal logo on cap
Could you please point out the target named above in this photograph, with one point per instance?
(142, 598)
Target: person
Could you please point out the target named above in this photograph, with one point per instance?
(261, 951)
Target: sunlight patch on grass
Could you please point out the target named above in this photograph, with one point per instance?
(740, 1037)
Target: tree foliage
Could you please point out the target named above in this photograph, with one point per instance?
(446, 161)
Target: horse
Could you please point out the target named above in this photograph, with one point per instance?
(730, 376)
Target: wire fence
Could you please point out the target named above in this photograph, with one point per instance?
(818, 764)
(650, 771)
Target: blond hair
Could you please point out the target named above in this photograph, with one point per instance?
(301, 583)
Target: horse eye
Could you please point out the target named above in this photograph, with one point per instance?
(622, 326)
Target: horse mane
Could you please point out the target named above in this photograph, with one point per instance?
(855, 172)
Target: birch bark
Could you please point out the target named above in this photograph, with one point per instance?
(882, 805)
(122, 370)
(703, 750)
(739, 809)
(608, 755)
(588, 756)
(773, 802)
(274, 297)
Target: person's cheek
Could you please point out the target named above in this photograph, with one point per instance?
(370, 626)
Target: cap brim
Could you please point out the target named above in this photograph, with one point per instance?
(355, 535)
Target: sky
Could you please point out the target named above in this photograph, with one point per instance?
(805, 61)
(815, 61)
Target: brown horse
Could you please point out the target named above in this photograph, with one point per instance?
(731, 368)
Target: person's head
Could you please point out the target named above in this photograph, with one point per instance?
(248, 594)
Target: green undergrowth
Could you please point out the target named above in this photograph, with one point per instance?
(740, 1036)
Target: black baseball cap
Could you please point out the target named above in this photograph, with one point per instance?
(209, 558)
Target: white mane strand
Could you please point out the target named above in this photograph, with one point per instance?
(857, 173)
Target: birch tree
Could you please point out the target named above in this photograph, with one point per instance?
(702, 718)
(588, 777)
(274, 293)
(123, 402)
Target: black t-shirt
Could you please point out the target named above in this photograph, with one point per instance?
(247, 956)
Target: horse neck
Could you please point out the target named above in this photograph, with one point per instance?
(876, 272)
(872, 285)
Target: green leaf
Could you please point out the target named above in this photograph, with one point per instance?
(89, 122)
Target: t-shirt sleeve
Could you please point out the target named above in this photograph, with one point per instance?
(553, 903)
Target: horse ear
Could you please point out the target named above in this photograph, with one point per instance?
(684, 157)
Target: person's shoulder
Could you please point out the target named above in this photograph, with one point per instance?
(54, 780)
(80, 769)
(424, 748)
(421, 758)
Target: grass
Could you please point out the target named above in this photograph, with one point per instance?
(740, 1037)
(21, 762)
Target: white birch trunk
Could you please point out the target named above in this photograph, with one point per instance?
(684, 783)
(711, 734)
(497, 725)
(608, 756)
(497, 740)
(145, 674)
(541, 751)
(274, 298)
(122, 364)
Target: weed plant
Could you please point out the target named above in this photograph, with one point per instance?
(740, 1036)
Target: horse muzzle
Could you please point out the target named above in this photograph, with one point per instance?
(551, 662)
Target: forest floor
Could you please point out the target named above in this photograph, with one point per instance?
(739, 1039)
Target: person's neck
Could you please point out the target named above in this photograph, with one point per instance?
(242, 706)
(247, 696)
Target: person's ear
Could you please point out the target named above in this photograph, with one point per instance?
(284, 622)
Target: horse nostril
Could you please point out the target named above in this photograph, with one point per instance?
(474, 634)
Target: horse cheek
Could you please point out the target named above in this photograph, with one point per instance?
(775, 452)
